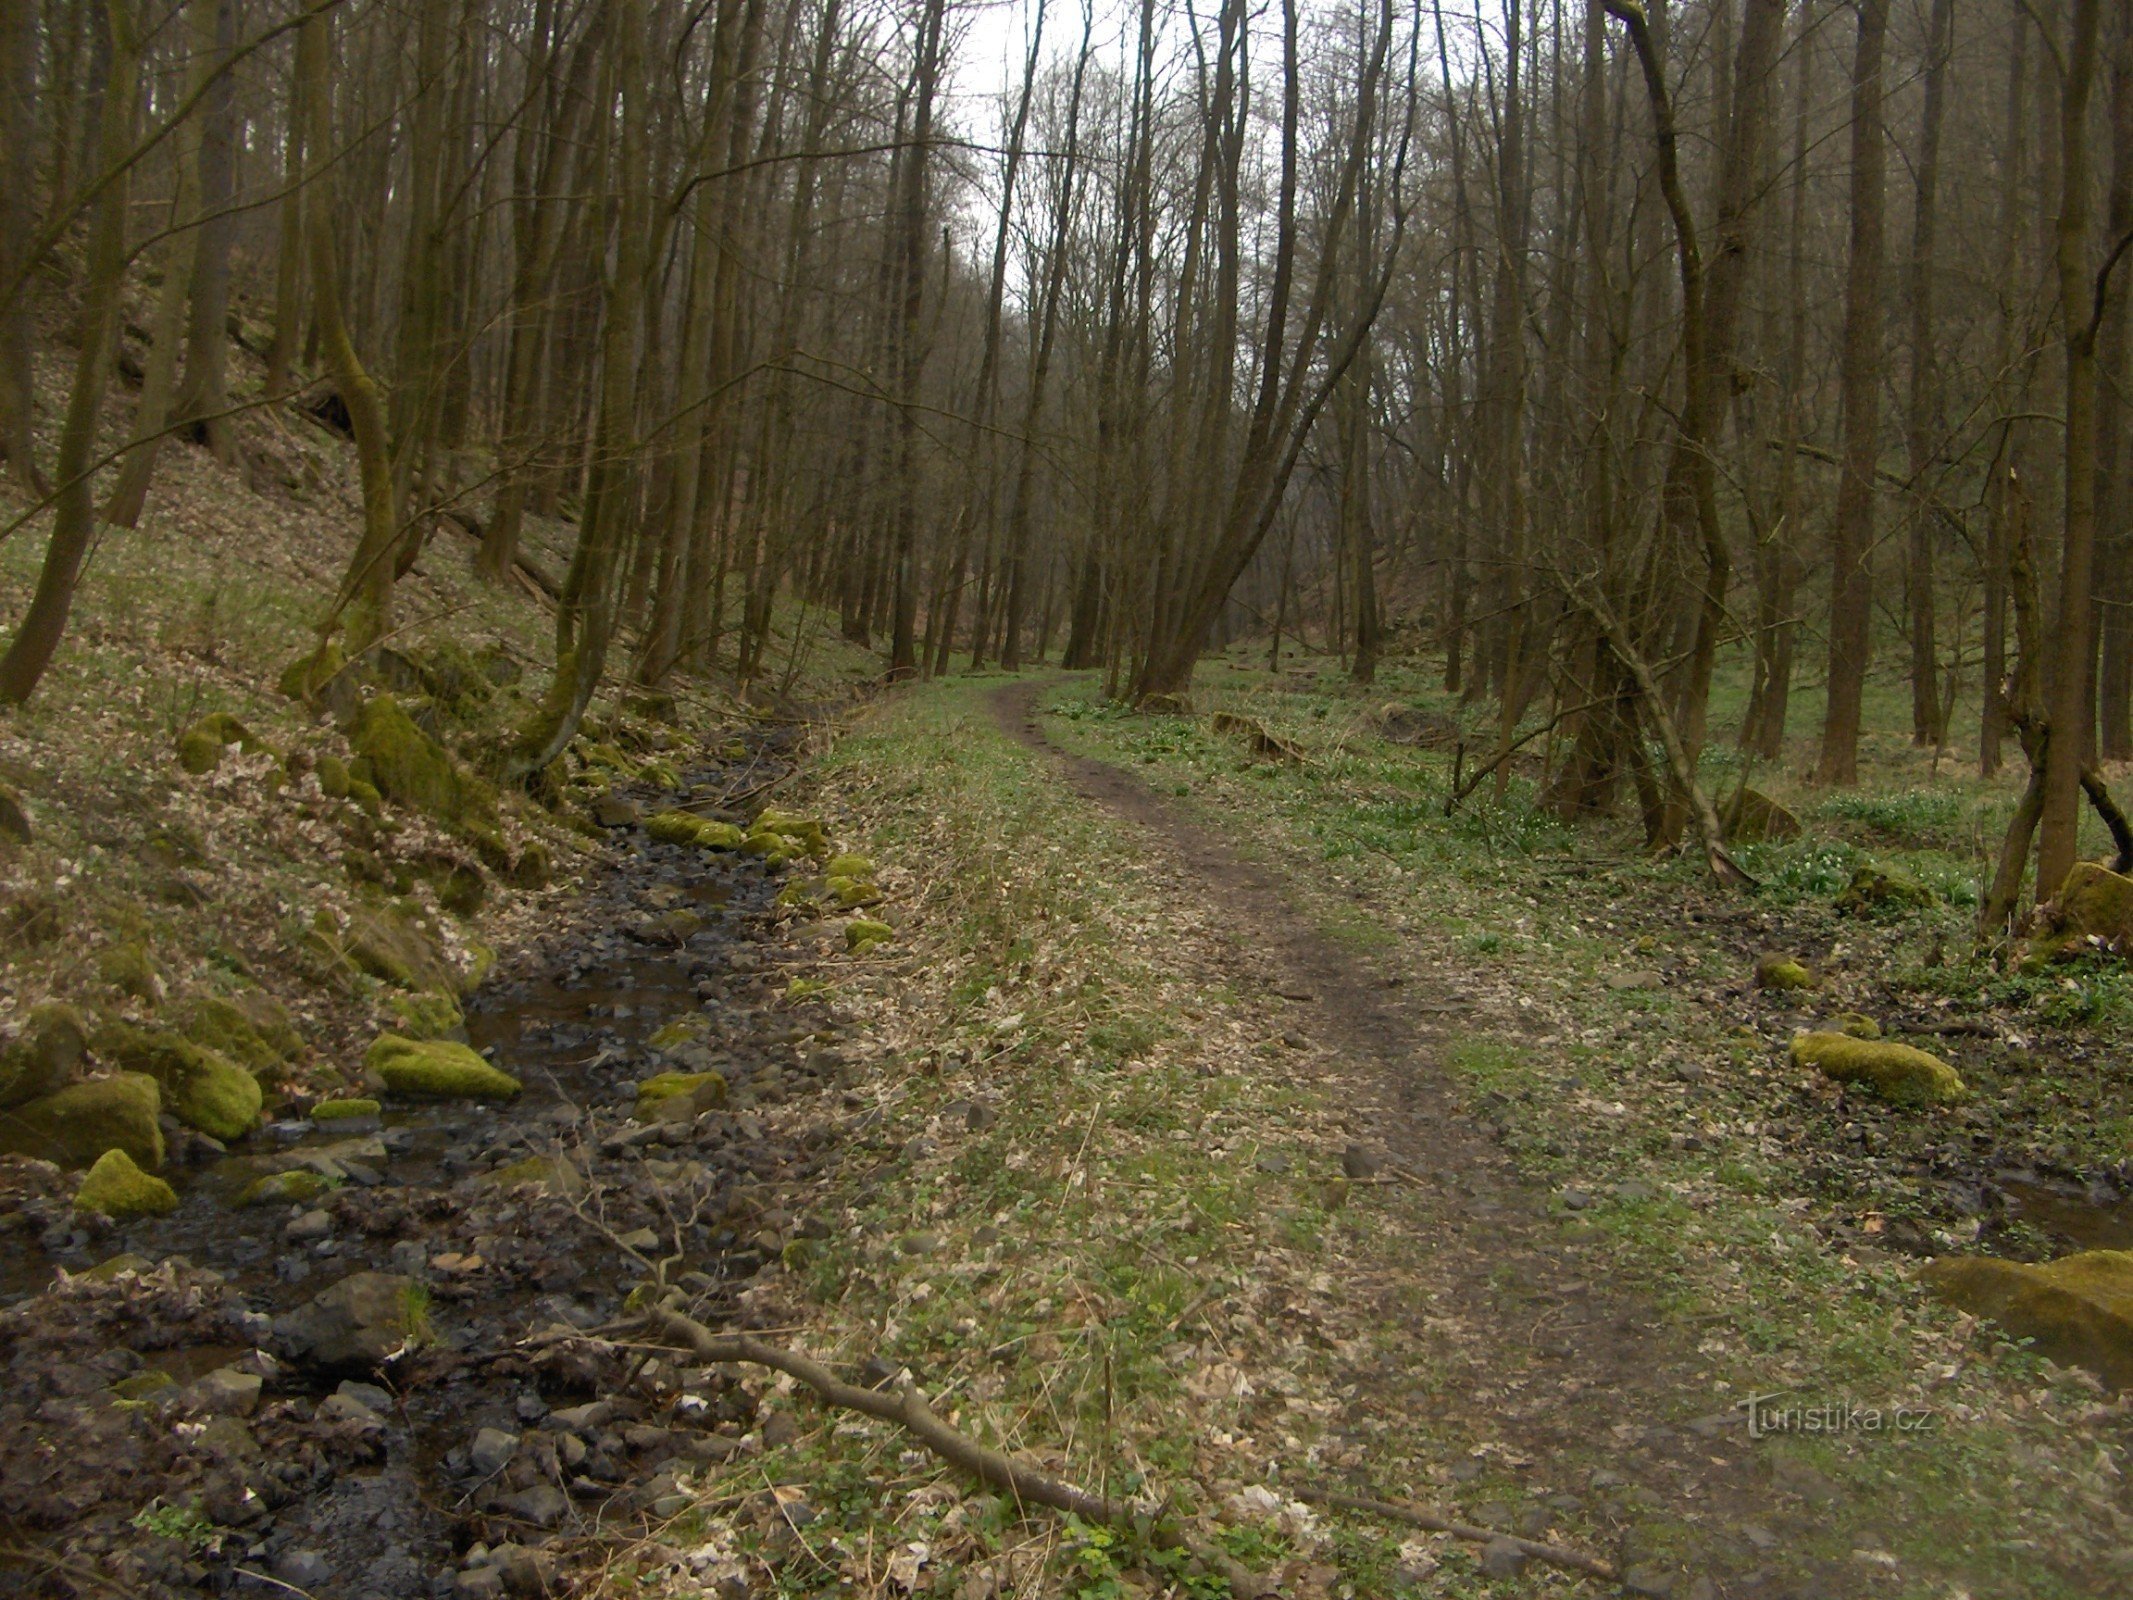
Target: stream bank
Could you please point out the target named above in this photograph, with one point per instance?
(399, 1386)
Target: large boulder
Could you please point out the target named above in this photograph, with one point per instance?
(254, 1032)
(2078, 1309)
(411, 769)
(1896, 1073)
(119, 1189)
(436, 1069)
(43, 1053)
(79, 1123)
(394, 947)
(358, 1325)
(2093, 911)
(202, 1087)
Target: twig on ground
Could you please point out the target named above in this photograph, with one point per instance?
(1554, 1555)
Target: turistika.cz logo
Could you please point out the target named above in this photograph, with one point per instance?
(1775, 1413)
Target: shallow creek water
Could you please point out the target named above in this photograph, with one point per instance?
(570, 1020)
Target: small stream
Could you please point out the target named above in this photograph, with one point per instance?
(390, 1514)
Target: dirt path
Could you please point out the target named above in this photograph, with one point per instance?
(1506, 1340)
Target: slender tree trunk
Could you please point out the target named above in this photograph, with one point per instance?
(1859, 423)
(37, 638)
(18, 225)
(205, 396)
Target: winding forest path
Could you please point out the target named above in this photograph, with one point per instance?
(1509, 1338)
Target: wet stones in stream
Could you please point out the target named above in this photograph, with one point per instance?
(409, 1382)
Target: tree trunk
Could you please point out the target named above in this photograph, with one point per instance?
(204, 397)
(1921, 423)
(18, 225)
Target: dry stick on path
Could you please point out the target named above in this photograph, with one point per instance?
(908, 1408)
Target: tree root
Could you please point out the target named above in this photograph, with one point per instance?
(908, 1409)
(1554, 1555)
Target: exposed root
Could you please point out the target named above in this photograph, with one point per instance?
(1554, 1555)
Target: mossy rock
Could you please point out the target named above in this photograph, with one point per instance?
(533, 866)
(673, 827)
(848, 866)
(119, 1189)
(200, 746)
(296, 1187)
(335, 1111)
(43, 1053)
(2078, 1309)
(202, 1087)
(436, 1069)
(146, 1384)
(332, 774)
(1774, 971)
(1876, 889)
(862, 934)
(237, 1032)
(851, 893)
(803, 835)
(1897, 1073)
(426, 1016)
(307, 676)
(2092, 912)
(679, 1096)
(454, 679)
(683, 1031)
(774, 848)
(1752, 817)
(366, 797)
(550, 1174)
(413, 770)
(393, 947)
(1857, 1024)
(720, 836)
(80, 1122)
(128, 968)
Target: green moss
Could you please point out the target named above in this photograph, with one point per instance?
(720, 836)
(332, 774)
(680, 827)
(411, 769)
(456, 681)
(851, 893)
(2093, 910)
(143, 1384)
(683, 1030)
(1878, 889)
(550, 1174)
(1896, 1073)
(849, 866)
(118, 1188)
(303, 678)
(533, 866)
(680, 1094)
(344, 1110)
(200, 746)
(861, 934)
(436, 1069)
(2078, 1309)
(43, 1053)
(803, 835)
(1858, 1025)
(297, 1186)
(127, 967)
(79, 1123)
(426, 1016)
(224, 1025)
(389, 944)
(1774, 971)
(202, 1087)
(365, 794)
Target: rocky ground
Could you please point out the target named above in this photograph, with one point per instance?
(408, 1380)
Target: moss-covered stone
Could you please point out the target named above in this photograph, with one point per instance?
(43, 1053)
(297, 1186)
(2092, 912)
(862, 934)
(411, 769)
(549, 1174)
(426, 1016)
(1858, 1024)
(436, 1069)
(848, 865)
(668, 1096)
(200, 746)
(1897, 1073)
(202, 1087)
(146, 1384)
(128, 968)
(1883, 889)
(803, 835)
(79, 1123)
(1775, 971)
(533, 866)
(455, 680)
(307, 676)
(337, 1111)
(2078, 1309)
(682, 1031)
(1752, 817)
(366, 796)
(720, 836)
(391, 945)
(332, 774)
(674, 827)
(118, 1188)
(226, 1026)
(851, 893)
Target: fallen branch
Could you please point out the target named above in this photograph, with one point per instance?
(908, 1409)
(1554, 1555)
(1256, 734)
